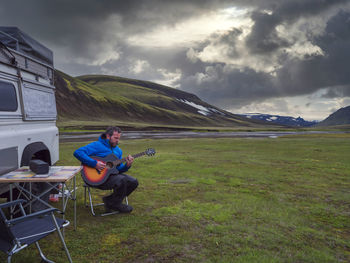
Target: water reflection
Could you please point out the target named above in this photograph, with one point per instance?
(187, 134)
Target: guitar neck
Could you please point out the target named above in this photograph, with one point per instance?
(117, 162)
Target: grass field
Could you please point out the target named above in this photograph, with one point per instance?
(221, 200)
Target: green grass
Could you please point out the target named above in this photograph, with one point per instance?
(144, 96)
(221, 200)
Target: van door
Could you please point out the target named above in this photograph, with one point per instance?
(10, 112)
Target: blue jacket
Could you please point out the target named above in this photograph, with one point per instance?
(100, 148)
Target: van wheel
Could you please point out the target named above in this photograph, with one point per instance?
(36, 150)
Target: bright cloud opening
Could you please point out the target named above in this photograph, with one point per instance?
(192, 30)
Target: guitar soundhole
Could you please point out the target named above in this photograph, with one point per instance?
(109, 165)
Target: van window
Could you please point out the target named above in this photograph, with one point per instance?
(8, 98)
(38, 102)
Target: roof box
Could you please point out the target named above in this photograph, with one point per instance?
(17, 40)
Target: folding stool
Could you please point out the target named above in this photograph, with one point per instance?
(89, 188)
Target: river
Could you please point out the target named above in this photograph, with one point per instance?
(131, 135)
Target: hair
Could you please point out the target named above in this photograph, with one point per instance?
(109, 131)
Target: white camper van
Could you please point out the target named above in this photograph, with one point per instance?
(27, 102)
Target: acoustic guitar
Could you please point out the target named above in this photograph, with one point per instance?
(94, 177)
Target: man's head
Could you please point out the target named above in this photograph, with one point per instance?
(113, 135)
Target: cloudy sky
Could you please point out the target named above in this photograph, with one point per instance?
(289, 57)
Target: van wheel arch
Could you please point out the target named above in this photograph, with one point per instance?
(36, 150)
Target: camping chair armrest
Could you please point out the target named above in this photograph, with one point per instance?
(36, 214)
(12, 203)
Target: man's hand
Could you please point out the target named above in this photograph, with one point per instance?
(100, 165)
(129, 160)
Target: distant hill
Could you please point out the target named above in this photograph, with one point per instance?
(282, 120)
(99, 97)
(340, 117)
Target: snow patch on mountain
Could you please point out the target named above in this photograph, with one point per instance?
(201, 109)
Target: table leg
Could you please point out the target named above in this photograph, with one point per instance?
(31, 198)
(63, 205)
(11, 199)
(75, 202)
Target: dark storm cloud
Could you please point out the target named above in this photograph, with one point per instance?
(295, 76)
(330, 70)
(229, 39)
(71, 24)
(84, 30)
(290, 10)
(264, 38)
(224, 86)
(79, 24)
(336, 92)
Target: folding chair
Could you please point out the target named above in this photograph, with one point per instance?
(18, 233)
(89, 188)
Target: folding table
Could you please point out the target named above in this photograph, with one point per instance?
(23, 177)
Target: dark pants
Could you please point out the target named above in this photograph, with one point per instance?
(122, 185)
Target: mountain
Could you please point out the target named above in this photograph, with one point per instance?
(282, 120)
(95, 98)
(340, 117)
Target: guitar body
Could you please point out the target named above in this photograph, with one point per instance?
(93, 177)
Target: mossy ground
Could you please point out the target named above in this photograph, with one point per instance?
(220, 200)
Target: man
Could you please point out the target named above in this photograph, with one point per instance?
(122, 184)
